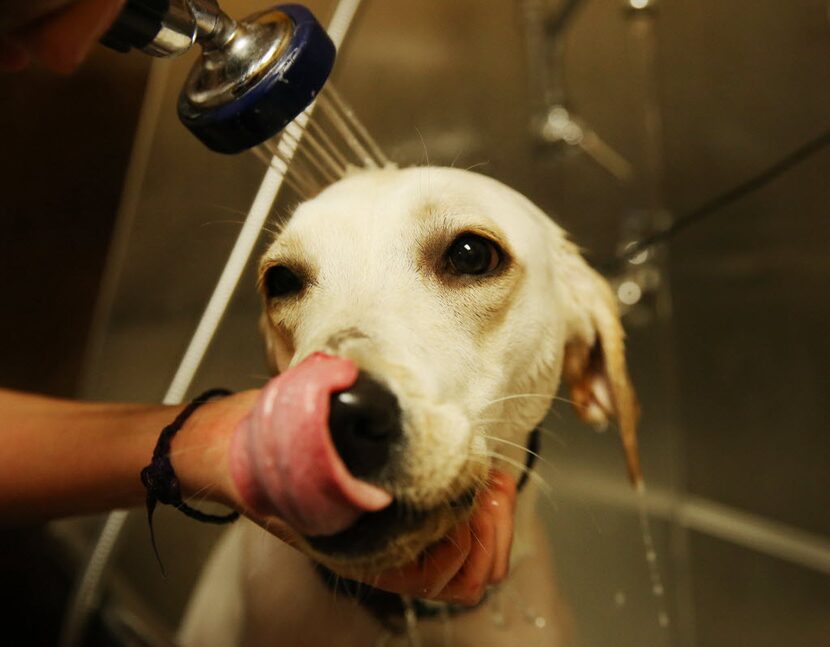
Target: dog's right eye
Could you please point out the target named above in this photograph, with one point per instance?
(280, 281)
(472, 254)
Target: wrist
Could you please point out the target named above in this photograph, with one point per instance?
(200, 450)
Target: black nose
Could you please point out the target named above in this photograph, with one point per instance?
(365, 423)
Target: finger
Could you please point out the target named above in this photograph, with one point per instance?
(469, 585)
(429, 575)
(62, 40)
(500, 497)
(504, 483)
(501, 511)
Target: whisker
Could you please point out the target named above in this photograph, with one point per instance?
(476, 165)
(555, 436)
(225, 207)
(544, 487)
(475, 536)
(211, 223)
(521, 467)
(523, 448)
(205, 446)
(454, 543)
(197, 493)
(517, 396)
(424, 145)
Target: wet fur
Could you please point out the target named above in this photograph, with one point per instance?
(461, 353)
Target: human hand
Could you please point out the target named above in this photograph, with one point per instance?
(473, 555)
(57, 33)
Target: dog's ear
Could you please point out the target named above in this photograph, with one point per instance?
(594, 364)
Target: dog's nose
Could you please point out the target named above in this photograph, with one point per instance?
(365, 423)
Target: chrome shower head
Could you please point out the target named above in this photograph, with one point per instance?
(254, 76)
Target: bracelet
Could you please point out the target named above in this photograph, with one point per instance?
(161, 481)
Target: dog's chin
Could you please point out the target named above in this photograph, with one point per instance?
(389, 538)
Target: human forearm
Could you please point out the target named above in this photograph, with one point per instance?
(61, 457)
(58, 33)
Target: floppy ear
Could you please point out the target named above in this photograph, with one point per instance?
(594, 365)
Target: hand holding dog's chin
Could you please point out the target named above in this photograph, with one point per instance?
(474, 555)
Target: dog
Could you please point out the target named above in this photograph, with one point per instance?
(460, 306)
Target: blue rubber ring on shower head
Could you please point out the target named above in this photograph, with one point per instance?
(269, 105)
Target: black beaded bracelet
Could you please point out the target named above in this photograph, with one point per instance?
(161, 481)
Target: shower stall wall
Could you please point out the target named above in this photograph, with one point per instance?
(617, 117)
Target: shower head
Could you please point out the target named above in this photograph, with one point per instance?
(253, 77)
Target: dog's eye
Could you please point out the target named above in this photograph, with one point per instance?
(472, 254)
(280, 281)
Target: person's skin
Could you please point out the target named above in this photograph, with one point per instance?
(62, 457)
(56, 33)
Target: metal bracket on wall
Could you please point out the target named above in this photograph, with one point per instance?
(555, 126)
(637, 284)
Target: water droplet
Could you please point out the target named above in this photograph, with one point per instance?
(651, 559)
(539, 622)
(619, 599)
(629, 293)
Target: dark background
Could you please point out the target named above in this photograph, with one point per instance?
(65, 146)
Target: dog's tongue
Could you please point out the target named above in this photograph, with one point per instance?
(282, 457)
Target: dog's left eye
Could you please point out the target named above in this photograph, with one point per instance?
(472, 254)
(281, 281)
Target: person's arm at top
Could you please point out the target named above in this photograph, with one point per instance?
(57, 33)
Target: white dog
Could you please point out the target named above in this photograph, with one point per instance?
(461, 305)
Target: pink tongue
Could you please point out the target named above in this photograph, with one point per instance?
(282, 457)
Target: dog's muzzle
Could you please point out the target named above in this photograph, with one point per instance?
(285, 461)
(319, 444)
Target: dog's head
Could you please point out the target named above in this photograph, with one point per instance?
(460, 305)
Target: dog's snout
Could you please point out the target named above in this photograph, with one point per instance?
(365, 424)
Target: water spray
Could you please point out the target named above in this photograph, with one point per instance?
(253, 84)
